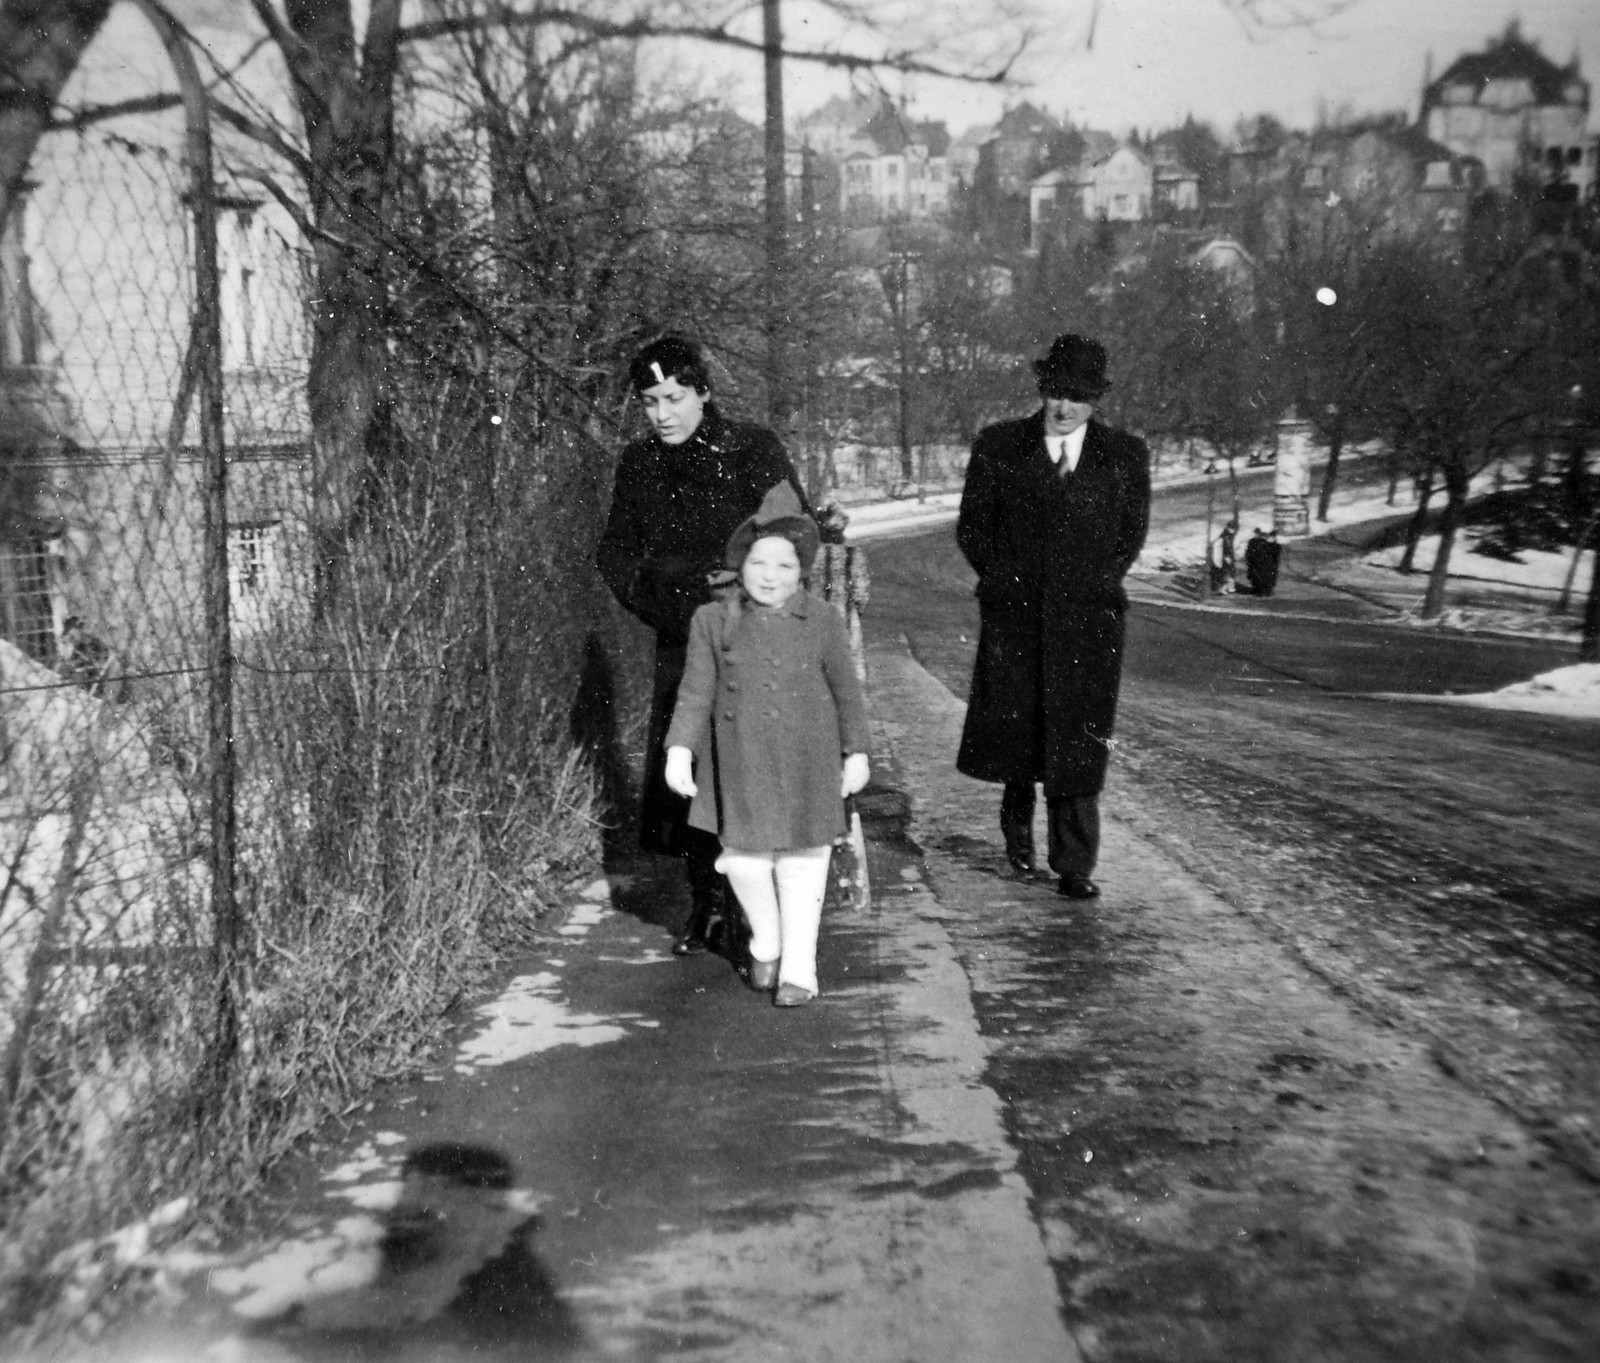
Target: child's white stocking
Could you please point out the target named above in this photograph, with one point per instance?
(750, 874)
(802, 878)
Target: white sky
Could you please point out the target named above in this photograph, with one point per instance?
(1153, 61)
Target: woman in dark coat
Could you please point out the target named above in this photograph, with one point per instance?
(679, 493)
(1053, 515)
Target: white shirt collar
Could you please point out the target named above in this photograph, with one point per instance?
(1071, 445)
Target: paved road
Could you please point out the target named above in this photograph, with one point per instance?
(1420, 876)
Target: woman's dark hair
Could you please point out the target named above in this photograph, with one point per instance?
(670, 357)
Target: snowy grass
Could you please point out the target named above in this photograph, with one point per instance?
(1537, 571)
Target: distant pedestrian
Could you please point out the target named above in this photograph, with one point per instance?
(769, 737)
(1227, 569)
(679, 494)
(1054, 514)
(1261, 556)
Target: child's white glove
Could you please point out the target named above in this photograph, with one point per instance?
(680, 772)
(857, 771)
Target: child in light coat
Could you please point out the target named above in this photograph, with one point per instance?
(768, 737)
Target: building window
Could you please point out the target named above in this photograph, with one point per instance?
(252, 559)
(1313, 177)
(1574, 156)
(239, 248)
(1437, 175)
(27, 615)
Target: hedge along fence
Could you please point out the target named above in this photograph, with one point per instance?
(405, 799)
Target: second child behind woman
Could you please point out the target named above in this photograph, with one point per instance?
(768, 737)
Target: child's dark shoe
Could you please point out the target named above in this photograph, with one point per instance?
(791, 996)
(762, 975)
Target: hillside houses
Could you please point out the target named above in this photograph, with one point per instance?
(1385, 177)
(1515, 112)
(1125, 185)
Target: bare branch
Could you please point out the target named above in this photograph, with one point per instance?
(88, 115)
(288, 41)
(265, 134)
(641, 27)
(286, 202)
(1258, 17)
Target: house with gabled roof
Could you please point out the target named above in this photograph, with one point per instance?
(1516, 112)
(896, 168)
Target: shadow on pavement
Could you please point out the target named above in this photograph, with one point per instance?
(457, 1276)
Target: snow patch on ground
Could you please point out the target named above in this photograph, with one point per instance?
(583, 917)
(1573, 691)
(1538, 569)
(529, 1018)
(346, 1258)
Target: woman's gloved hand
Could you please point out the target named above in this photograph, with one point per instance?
(680, 773)
(857, 771)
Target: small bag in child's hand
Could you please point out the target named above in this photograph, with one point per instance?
(850, 861)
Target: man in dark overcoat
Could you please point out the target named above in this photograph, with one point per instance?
(679, 493)
(1054, 513)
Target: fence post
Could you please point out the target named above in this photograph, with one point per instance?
(207, 347)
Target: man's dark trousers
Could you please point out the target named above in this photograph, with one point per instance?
(1073, 822)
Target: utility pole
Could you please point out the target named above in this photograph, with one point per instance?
(898, 280)
(808, 358)
(777, 276)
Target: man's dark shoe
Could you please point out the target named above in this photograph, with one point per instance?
(1021, 864)
(694, 942)
(705, 926)
(1077, 887)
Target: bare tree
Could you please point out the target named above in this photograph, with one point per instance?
(1460, 362)
(345, 87)
(40, 44)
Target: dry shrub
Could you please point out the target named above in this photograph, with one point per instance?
(409, 806)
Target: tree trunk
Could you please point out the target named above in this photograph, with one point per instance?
(1419, 518)
(777, 213)
(1455, 503)
(1575, 482)
(1589, 649)
(1330, 474)
(1565, 598)
(348, 109)
(42, 41)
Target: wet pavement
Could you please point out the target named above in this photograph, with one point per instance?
(1231, 1156)
(627, 1155)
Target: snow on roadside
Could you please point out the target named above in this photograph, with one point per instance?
(1573, 691)
(1539, 569)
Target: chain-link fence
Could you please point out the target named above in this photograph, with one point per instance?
(399, 789)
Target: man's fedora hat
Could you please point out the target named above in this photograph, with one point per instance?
(1075, 368)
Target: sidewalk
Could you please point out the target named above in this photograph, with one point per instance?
(625, 1155)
